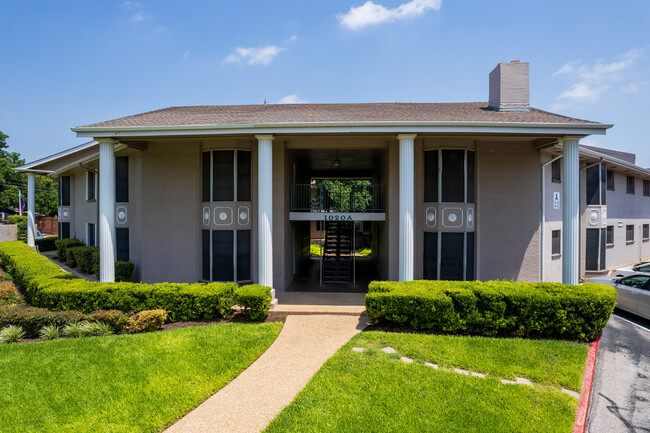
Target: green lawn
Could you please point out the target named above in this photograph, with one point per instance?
(376, 392)
(128, 383)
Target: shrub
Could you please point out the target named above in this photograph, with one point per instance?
(47, 286)
(83, 257)
(123, 271)
(64, 244)
(50, 332)
(95, 329)
(116, 319)
(71, 255)
(9, 295)
(73, 330)
(46, 244)
(11, 334)
(494, 307)
(146, 321)
(21, 222)
(255, 299)
(32, 319)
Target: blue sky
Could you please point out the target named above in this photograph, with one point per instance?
(70, 63)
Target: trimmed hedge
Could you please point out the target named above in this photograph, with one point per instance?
(21, 222)
(46, 244)
(47, 286)
(63, 244)
(494, 307)
(255, 299)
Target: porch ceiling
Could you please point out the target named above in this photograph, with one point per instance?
(320, 160)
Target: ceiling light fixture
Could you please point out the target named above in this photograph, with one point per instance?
(336, 164)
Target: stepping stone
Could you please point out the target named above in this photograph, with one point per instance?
(571, 393)
(475, 374)
(428, 364)
(461, 371)
(388, 350)
(522, 381)
(407, 360)
(508, 382)
(358, 349)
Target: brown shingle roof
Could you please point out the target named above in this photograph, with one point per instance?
(332, 113)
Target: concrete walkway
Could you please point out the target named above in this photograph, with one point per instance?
(255, 397)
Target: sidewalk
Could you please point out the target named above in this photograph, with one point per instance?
(255, 397)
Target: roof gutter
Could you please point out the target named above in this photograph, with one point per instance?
(348, 127)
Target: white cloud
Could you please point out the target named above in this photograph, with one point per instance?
(292, 99)
(370, 13)
(254, 56)
(593, 80)
(138, 13)
(633, 87)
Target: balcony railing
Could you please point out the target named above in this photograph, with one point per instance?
(336, 196)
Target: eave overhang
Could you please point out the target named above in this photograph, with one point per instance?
(559, 129)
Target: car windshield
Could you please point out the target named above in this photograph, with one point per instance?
(643, 268)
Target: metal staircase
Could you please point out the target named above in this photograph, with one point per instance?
(337, 252)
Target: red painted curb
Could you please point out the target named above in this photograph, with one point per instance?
(587, 381)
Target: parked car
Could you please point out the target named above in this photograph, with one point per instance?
(633, 292)
(624, 272)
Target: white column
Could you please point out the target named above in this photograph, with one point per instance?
(31, 205)
(570, 210)
(265, 210)
(406, 192)
(106, 211)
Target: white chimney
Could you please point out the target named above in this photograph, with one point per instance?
(509, 87)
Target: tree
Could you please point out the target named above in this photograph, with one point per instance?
(346, 195)
(10, 181)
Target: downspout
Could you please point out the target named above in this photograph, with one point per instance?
(543, 218)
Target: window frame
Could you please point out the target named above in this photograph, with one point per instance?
(630, 187)
(235, 180)
(556, 171)
(556, 252)
(611, 186)
(469, 193)
(90, 173)
(94, 234)
(645, 232)
(646, 188)
(209, 257)
(629, 229)
(609, 231)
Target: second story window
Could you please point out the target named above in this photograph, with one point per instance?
(449, 176)
(556, 171)
(64, 191)
(596, 185)
(630, 184)
(610, 180)
(91, 185)
(227, 175)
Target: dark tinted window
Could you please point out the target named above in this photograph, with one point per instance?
(122, 179)
(430, 256)
(431, 176)
(64, 191)
(637, 281)
(470, 257)
(243, 175)
(453, 176)
(642, 268)
(91, 236)
(222, 251)
(646, 231)
(603, 249)
(592, 250)
(646, 188)
(556, 246)
(223, 172)
(556, 171)
(471, 180)
(243, 255)
(206, 176)
(64, 230)
(122, 244)
(610, 180)
(205, 254)
(593, 184)
(451, 256)
(90, 187)
(629, 233)
(630, 184)
(603, 184)
(610, 235)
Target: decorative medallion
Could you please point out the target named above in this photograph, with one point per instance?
(121, 215)
(223, 216)
(470, 218)
(206, 216)
(452, 217)
(65, 213)
(604, 217)
(430, 217)
(243, 215)
(594, 217)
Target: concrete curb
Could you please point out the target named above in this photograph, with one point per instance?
(587, 381)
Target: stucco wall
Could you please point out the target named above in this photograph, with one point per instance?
(508, 211)
(171, 197)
